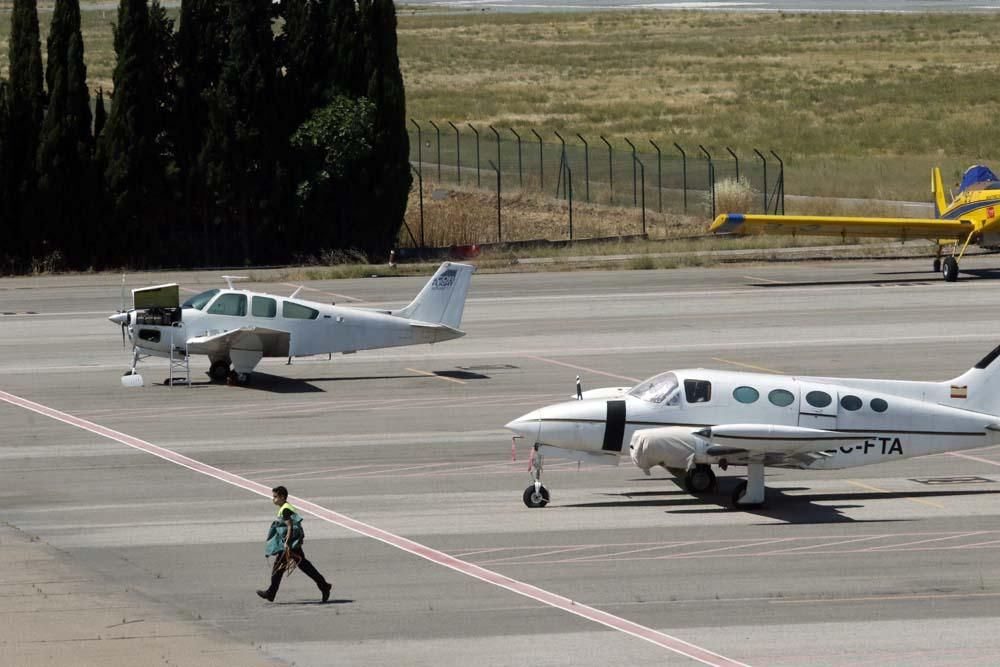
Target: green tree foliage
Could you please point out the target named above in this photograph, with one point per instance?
(64, 163)
(25, 107)
(133, 171)
(7, 220)
(244, 135)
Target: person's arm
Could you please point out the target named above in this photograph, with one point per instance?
(287, 516)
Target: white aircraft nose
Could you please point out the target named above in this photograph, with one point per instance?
(118, 318)
(525, 425)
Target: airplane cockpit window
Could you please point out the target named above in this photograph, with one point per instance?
(229, 304)
(198, 301)
(263, 306)
(697, 391)
(662, 388)
(295, 311)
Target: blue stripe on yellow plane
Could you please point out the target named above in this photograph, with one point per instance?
(973, 216)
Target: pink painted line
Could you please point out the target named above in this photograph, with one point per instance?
(660, 639)
(582, 368)
(319, 291)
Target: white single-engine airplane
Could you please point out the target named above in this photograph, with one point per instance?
(236, 328)
(689, 420)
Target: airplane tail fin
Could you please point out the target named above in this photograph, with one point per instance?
(937, 189)
(978, 388)
(442, 299)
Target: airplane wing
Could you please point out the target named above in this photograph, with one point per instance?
(778, 444)
(816, 225)
(272, 342)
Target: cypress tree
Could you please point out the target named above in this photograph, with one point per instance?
(387, 177)
(64, 163)
(244, 133)
(201, 47)
(6, 219)
(133, 172)
(25, 100)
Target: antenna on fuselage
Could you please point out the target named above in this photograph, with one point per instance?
(229, 280)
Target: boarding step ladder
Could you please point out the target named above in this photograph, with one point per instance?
(180, 367)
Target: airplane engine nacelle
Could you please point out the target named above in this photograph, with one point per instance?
(670, 447)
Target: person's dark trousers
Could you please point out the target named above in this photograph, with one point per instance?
(278, 571)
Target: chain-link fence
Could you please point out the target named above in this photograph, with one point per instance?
(639, 173)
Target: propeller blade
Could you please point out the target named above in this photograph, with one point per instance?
(124, 347)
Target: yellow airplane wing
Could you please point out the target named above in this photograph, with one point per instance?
(816, 225)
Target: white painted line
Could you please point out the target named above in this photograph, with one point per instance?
(660, 639)
(583, 368)
(319, 291)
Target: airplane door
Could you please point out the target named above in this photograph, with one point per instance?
(817, 406)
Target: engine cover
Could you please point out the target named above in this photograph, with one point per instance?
(670, 447)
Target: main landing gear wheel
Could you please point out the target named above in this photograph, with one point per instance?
(950, 269)
(534, 498)
(219, 370)
(937, 265)
(699, 479)
(738, 494)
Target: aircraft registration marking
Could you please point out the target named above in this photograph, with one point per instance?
(598, 616)
(889, 445)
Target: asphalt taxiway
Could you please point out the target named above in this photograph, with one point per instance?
(134, 519)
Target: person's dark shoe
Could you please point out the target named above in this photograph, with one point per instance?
(325, 590)
(266, 595)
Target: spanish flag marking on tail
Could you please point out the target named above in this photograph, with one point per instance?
(959, 392)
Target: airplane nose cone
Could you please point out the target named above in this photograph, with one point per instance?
(118, 318)
(525, 425)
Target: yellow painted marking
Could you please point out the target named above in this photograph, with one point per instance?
(767, 280)
(756, 368)
(883, 598)
(435, 375)
(922, 501)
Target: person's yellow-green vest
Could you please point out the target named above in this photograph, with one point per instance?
(276, 533)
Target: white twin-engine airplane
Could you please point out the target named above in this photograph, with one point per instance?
(689, 420)
(236, 328)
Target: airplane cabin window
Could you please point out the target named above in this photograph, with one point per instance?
(697, 391)
(198, 301)
(781, 398)
(662, 388)
(262, 306)
(878, 405)
(234, 305)
(818, 399)
(294, 311)
(851, 403)
(746, 394)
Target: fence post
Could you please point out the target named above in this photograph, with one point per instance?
(711, 176)
(541, 167)
(420, 147)
(497, 135)
(781, 183)
(496, 168)
(569, 198)
(642, 167)
(479, 182)
(634, 192)
(420, 191)
(764, 160)
(562, 161)
(586, 166)
(611, 171)
(520, 173)
(737, 161)
(438, 130)
(458, 152)
(659, 176)
(684, 171)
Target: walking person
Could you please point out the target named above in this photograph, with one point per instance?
(284, 540)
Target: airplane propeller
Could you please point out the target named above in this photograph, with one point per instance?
(122, 316)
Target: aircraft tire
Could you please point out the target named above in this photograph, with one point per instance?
(738, 493)
(219, 369)
(532, 499)
(950, 269)
(679, 473)
(699, 479)
(937, 264)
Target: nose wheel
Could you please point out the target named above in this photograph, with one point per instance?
(699, 479)
(536, 495)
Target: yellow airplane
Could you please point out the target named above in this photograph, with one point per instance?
(971, 217)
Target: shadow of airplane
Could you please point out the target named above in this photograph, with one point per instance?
(913, 278)
(780, 505)
(281, 384)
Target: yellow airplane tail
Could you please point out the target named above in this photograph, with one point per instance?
(937, 189)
